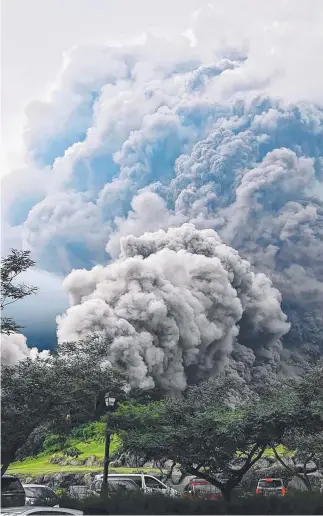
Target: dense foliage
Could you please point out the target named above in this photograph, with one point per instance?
(62, 392)
(11, 291)
(304, 429)
(211, 439)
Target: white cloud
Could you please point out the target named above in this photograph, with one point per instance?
(36, 34)
(14, 348)
(279, 40)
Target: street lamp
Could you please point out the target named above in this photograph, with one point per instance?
(110, 402)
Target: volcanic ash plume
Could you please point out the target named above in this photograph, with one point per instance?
(174, 304)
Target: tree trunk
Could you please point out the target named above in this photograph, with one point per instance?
(170, 471)
(307, 482)
(226, 493)
(5, 464)
(302, 476)
(8, 457)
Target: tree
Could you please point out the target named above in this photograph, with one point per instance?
(303, 434)
(220, 443)
(11, 266)
(198, 430)
(306, 448)
(291, 414)
(62, 391)
(34, 443)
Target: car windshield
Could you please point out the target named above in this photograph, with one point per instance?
(135, 480)
(37, 492)
(153, 483)
(123, 484)
(116, 483)
(270, 483)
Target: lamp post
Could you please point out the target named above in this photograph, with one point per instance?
(110, 402)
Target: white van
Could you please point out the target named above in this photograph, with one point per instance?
(147, 483)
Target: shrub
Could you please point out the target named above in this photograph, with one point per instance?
(72, 452)
(138, 503)
(61, 492)
(94, 431)
(54, 443)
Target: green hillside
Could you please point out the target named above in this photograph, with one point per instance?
(41, 465)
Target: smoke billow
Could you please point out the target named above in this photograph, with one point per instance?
(177, 302)
(226, 134)
(14, 348)
(272, 212)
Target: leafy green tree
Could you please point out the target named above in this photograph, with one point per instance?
(11, 291)
(197, 430)
(306, 448)
(34, 443)
(61, 392)
(291, 414)
(211, 438)
(302, 405)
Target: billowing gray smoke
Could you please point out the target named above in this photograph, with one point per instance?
(178, 303)
(272, 212)
(225, 133)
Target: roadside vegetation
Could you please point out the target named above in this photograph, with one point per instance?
(39, 466)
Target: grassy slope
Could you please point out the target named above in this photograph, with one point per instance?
(40, 465)
(281, 450)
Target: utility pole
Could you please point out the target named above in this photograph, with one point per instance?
(106, 455)
(110, 402)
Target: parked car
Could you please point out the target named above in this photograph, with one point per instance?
(12, 492)
(28, 510)
(115, 484)
(270, 486)
(38, 494)
(200, 488)
(147, 483)
(80, 492)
